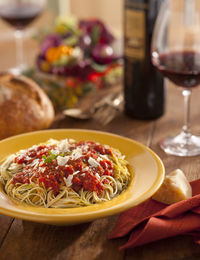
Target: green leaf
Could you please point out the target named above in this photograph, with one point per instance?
(99, 68)
(95, 34)
(72, 41)
(47, 159)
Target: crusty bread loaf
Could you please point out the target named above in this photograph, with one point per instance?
(24, 106)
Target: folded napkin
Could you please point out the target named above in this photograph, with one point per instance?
(153, 220)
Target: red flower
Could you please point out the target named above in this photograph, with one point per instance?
(72, 82)
(96, 78)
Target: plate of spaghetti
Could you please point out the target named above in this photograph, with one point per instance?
(68, 176)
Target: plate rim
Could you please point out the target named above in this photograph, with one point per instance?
(69, 219)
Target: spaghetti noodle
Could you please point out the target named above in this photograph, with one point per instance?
(66, 173)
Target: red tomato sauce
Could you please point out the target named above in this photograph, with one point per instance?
(48, 174)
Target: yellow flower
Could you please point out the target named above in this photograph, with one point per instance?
(79, 90)
(55, 53)
(45, 66)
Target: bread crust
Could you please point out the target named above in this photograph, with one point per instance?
(24, 106)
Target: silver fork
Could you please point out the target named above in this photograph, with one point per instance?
(107, 112)
(103, 111)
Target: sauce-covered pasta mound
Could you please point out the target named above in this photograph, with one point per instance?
(66, 173)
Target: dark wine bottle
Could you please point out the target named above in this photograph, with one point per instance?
(143, 84)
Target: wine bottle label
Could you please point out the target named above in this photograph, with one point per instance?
(135, 32)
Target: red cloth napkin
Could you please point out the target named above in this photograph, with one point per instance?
(152, 220)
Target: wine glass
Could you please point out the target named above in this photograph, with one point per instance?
(176, 53)
(19, 14)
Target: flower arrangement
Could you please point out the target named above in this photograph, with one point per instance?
(76, 57)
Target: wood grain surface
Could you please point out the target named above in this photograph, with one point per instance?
(26, 240)
(22, 240)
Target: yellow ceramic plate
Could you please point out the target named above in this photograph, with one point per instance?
(146, 167)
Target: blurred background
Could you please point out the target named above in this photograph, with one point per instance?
(110, 12)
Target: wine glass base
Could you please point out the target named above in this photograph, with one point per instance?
(18, 70)
(181, 145)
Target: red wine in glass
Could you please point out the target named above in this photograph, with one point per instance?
(182, 68)
(21, 15)
(176, 53)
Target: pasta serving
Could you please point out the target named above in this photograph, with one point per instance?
(66, 173)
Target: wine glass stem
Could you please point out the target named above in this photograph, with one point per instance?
(187, 97)
(19, 35)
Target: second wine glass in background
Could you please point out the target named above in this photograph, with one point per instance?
(19, 14)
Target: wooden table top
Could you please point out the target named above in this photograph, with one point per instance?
(33, 241)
